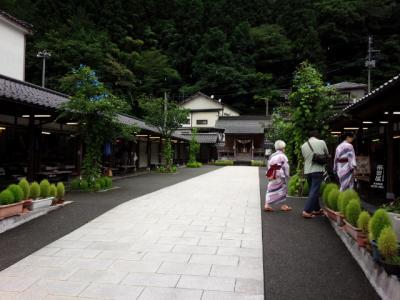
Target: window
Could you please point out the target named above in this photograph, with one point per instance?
(202, 122)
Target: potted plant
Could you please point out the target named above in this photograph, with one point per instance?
(331, 205)
(40, 194)
(389, 250)
(344, 200)
(353, 210)
(379, 220)
(60, 192)
(9, 205)
(393, 209)
(362, 224)
(53, 192)
(24, 184)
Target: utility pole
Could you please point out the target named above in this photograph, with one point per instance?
(370, 63)
(44, 55)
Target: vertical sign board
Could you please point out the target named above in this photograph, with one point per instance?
(379, 180)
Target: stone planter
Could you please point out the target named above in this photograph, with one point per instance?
(334, 216)
(395, 218)
(356, 233)
(41, 203)
(11, 210)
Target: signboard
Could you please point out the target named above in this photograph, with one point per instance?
(363, 170)
(379, 179)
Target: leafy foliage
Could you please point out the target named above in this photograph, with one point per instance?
(34, 192)
(387, 243)
(60, 191)
(378, 222)
(332, 199)
(194, 147)
(297, 186)
(224, 162)
(44, 188)
(353, 210)
(363, 220)
(344, 199)
(96, 109)
(6, 197)
(17, 192)
(24, 184)
(327, 189)
(53, 190)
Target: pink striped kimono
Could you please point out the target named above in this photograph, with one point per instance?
(344, 164)
(277, 188)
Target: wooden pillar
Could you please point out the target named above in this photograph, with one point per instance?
(390, 171)
(159, 152)
(252, 148)
(148, 152)
(31, 154)
(179, 152)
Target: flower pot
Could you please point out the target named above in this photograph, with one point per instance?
(26, 205)
(334, 216)
(356, 233)
(390, 269)
(41, 203)
(376, 256)
(340, 218)
(11, 209)
(395, 218)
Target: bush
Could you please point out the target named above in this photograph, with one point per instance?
(257, 163)
(327, 189)
(194, 164)
(17, 192)
(97, 187)
(53, 190)
(24, 184)
(293, 185)
(34, 191)
(174, 169)
(6, 197)
(84, 185)
(353, 210)
(108, 181)
(60, 192)
(44, 188)
(363, 220)
(224, 162)
(344, 199)
(388, 245)
(332, 199)
(379, 220)
(76, 184)
(322, 187)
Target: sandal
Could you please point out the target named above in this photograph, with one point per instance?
(307, 215)
(318, 213)
(286, 208)
(268, 209)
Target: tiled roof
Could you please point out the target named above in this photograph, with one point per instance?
(10, 18)
(244, 124)
(130, 120)
(203, 138)
(345, 85)
(21, 91)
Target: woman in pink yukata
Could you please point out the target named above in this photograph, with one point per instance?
(345, 162)
(278, 178)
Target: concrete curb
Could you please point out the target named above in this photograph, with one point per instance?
(16, 221)
(386, 286)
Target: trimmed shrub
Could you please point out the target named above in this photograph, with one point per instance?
(6, 197)
(194, 164)
(363, 220)
(17, 192)
(224, 162)
(353, 210)
(327, 189)
(53, 190)
(84, 185)
(379, 220)
(34, 191)
(108, 181)
(24, 184)
(75, 184)
(332, 199)
(388, 245)
(97, 187)
(60, 190)
(344, 199)
(44, 188)
(257, 163)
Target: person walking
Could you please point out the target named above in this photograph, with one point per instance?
(278, 178)
(315, 154)
(345, 162)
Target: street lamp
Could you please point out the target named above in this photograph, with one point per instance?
(44, 55)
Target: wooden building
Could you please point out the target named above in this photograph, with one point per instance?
(375, 118)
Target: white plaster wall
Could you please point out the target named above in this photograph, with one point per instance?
(211, 116)
(12, 51)
(201, 103)
(230, 112)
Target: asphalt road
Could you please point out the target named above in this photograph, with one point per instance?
(21, 241)
(305, 259)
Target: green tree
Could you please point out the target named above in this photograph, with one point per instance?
(167, 117)
(194, 147)
(96, 109)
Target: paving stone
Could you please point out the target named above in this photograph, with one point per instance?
(166, 257)
(111, 291)
(15, 284)
(184, 269)
(88, 264)
(214, 259)
(237, 272)
(179, 240)
(240, 252)
(77, 253)
(212, 295)
(151, 293)
(194, 249)
(156, 280)
(120, 254)
(135, 266)
(98, 276)
(219, 242)
(207, 283)
(58, 287)
(249, 286)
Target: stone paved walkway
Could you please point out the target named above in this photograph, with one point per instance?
(199, 239)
